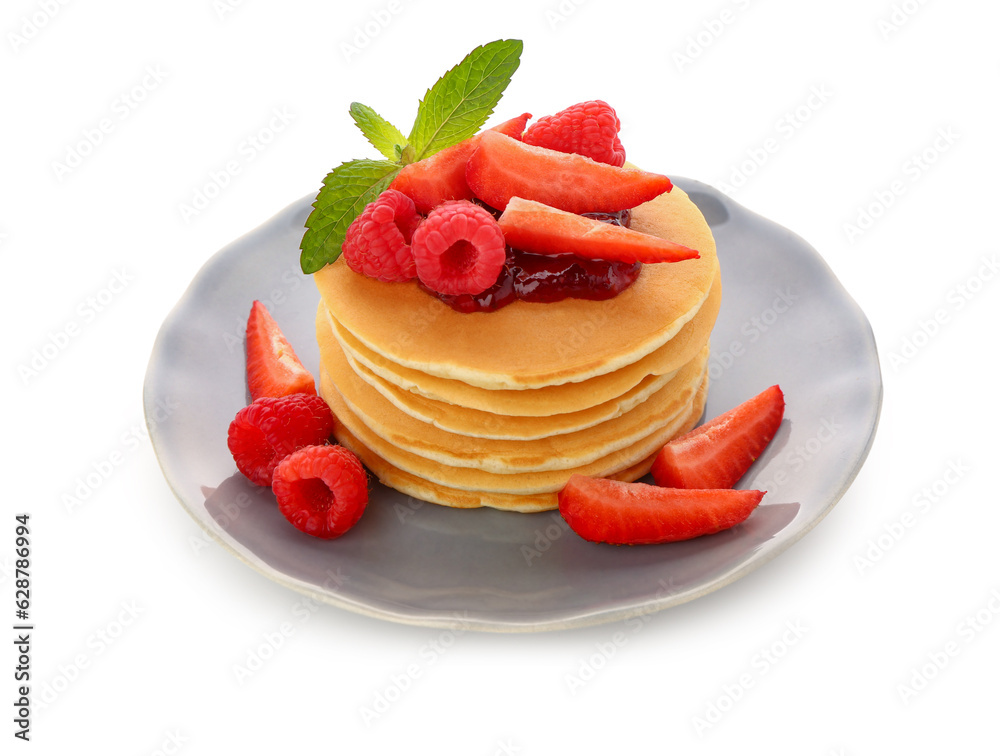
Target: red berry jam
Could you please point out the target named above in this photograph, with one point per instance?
(550, 278)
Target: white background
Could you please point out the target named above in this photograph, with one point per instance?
(138, 633)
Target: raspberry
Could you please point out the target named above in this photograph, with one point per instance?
(267, 431)
(459, 249)
(321, 490)
(377, 243)
(587, 128)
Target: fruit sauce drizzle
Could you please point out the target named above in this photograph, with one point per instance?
(550, 278)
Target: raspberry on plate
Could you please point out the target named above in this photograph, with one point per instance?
(459, 249)
(267, 431)
(321, 490)
(587, 128)
(377, 243)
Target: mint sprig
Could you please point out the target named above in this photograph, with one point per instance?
(383, 136)
(453, 110)
(346, 190)
(458, 105)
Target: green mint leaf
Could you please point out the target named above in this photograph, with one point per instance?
(383, 136)
(346, 190)
(458, 105)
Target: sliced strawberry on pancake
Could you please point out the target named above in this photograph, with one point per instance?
(501, 168)
(536, 227)
(441, 177)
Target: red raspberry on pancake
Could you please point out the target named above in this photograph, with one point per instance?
(459, 249)
(377, 244)
(587, 128)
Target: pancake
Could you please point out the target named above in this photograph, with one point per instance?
(505, 455)
(547, 400)
(533, 345)
(436, 493)
(499, 409)
(479, 423)
(543, 481)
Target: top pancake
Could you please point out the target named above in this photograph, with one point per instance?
(531, 345)
(545, 401)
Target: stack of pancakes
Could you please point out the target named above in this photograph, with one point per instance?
(498, 409)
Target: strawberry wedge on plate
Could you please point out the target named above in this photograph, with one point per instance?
(628, 514)
(718, 453)
(694, 476)
(272, 367)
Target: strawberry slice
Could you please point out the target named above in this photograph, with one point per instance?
(502, 168)
(441, 177)
(272, 367)
(536, 227)
(514, 128)
(612, 511)
(718, 453)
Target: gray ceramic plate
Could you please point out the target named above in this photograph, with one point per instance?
(785, 319)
